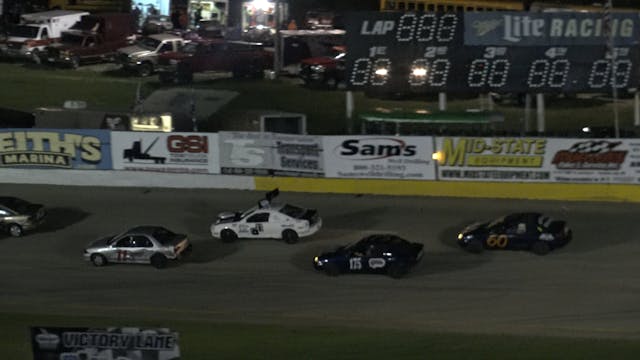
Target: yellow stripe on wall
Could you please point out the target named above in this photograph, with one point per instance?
(537, 191)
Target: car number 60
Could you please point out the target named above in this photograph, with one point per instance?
(500, 241)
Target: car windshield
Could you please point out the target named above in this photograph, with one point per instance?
(496, 222)
(148, 43)
(163, 235)
(23, 31)
(292, 211)
(189, 48)
(248, 211)
(18, 205)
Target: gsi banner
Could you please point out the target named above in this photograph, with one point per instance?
(381, 157)
(56, 149)
(165, 152)
(264, 153)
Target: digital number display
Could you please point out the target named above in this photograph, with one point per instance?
(425, 52)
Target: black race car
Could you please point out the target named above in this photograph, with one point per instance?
(378, 254)
(520, 231)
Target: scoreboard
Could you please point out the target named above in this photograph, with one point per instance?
(502, 52)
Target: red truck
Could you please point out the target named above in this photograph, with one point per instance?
(95, 38)
(242, 59)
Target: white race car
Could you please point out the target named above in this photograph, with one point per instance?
(267, 220)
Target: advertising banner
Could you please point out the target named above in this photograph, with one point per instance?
(165, 152)
(81, 343)
(549, 28)
(539, 160)
(379, 157)
(594, 160)
(264, 153)
(55, 149)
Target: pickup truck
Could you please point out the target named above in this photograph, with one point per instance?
(242, 59)
(142, 57)
(96, 38)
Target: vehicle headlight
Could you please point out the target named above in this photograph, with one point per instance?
(315, 259)
(318, 68)
(460, 236)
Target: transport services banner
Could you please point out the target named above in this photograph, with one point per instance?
(265, 153)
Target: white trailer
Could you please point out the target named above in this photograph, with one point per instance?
(36, 31)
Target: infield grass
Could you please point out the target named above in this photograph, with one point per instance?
(27, 87)
(210, 341)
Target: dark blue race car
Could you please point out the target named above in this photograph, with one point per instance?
(377, 254)
(521, 231)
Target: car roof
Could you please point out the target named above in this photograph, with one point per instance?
(144, 229)
(8, 200)
(382, 239)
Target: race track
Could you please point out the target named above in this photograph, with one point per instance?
(589, 288)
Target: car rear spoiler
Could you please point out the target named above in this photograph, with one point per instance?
(264, 203)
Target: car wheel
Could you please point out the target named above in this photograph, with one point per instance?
(98, 260)
(474, 246)
(290, 237)
(35, 56)
(397, 270)
(145, 69)
(75, 62)
(331, 269)
(332, 83)
(540, 248)
(159, 261)
(15, 230)
(228, 236)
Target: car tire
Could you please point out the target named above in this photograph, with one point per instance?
(228, 235)
(159, 261)
(290, 236)
(397, 270)
(331, 83)
(145, 69)
(474, 247)
(15, 230)
(35, 56)
(98, 260)
(75, 62)
(331, 269)
(540, 248)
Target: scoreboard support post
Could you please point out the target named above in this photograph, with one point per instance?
(540, 113)
(636, 109)
(442, 101)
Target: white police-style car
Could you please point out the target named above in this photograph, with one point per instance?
(267, 220)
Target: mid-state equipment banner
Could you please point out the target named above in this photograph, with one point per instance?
(55, 149)
(165, 152)
(125, 343)
(523, 159)
(379, 157)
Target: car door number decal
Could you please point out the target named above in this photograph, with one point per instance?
(499, 241)
(355, 263)
(257, 230)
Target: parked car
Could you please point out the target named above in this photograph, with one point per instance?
(325, 71)
(155, 24)
(240, 58)
(519, 231)
(142, 57)
(377, 254)
(267, 220)
(18, 215)
(153, 245)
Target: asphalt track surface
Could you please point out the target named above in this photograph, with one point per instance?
(589, 288)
